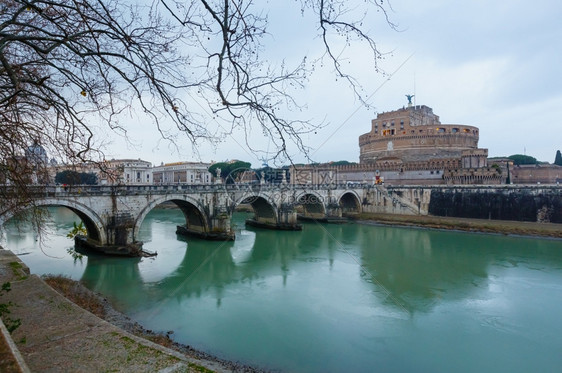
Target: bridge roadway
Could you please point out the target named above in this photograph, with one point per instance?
(113, 215)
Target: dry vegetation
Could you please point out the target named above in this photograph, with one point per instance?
(472, 225)
(90, 301)
(77, 293)
(99, 306)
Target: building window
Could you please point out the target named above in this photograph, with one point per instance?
(455, 130)
(401, 124)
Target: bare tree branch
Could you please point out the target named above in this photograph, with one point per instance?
(71, 68)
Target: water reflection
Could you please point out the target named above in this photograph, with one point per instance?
(372, 296)
(402, 263)
(119, 277)
(419, 268)
(207, 268)
(409, 269)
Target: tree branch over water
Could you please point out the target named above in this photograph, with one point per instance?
(73, 69)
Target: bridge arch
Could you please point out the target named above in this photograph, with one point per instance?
(265, 209)
(350, 202)
(195, 218)
(93, 223)
(312, 204)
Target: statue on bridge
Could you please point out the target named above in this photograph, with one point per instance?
(218, 173)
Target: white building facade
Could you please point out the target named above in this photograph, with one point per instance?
(182, 173)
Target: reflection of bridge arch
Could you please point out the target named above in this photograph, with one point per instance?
(191, 209)
(93, 223)
(265, 209)
(312, 204)
(110, 276)
(350, 202)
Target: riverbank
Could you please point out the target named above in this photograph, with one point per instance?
(95, 303)
(55, 334)
(506, 227)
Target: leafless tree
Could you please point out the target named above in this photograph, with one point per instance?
(69, 69)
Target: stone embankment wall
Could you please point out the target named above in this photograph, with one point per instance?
(507, 202)
(536, 204)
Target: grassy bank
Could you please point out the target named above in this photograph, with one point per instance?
(471, 225)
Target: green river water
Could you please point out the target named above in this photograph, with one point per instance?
(332, 298)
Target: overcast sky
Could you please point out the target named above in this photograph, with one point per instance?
(496, 65)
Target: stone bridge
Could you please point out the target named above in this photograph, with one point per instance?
(113, 215)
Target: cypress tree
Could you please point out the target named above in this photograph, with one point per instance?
(558, 158)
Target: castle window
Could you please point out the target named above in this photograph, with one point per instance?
(392, 124)
(401, 124)
(466, 130)
(455, 130)
(384, 124)
(440, 129)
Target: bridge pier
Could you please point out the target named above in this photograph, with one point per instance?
(334, 213)
(286, 221)
(119, 233)
(219, 229)
(213, 224)
(285, 218)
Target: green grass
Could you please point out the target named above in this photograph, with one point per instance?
(17, 270)
(199, 368)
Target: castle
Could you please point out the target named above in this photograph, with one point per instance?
(415, 134)
(411, 146)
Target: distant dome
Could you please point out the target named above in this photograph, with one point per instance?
(36, 153)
